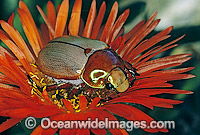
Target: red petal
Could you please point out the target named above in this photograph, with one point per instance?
(9, 123)
(68, 105)
(94, 103)
(132, 43)
(45, 33)
(61, 18)
(30, 24)
(90, 20)
(118, 25)
(49, 25)
(111, 117)
(83, 103)
(10, 20)
(37, 131)
(75, 18)
(51, 14)
(129, 34)
(98, 21)
(162, 63)
(131, 113)
(110, 22)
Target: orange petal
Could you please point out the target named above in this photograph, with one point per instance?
(5, 50)
(161, 64)
(45, 33)
(81, 27)
(58, 7)
(4, 79)
(9, 123)
(117, 42)
(98, 21)
(15, 67)
(170, 71)
(51, 14)
(16, 51)
(160, 91)
(94, 103)
(16, 37)
(118, 25)
(46, 97)
(110, 22)
(29, 31)
(130, 34)
(140, 34)
(90, 20)
(154, 53)
(17, 79)
(62, 18)
(49, 25)
(83, 103)
(68, 105)
(152, 41)
(175, 77)
(165, 59)
(132, 43)
(75, 18)
(36, 33)
(37, 131)
(10, 20)
(132, 113)
(3, 61)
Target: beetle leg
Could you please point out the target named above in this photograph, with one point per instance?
(113, 90)
(116, 92)
(106, 99)
(132, 71)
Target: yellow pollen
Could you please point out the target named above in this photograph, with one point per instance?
(34, 65)
(99, 104)
(44, 88)
(57, 92)
(68, 111)
(75, 97)
(32, 91)
(76, 107)
(78, 110)
(66, 95)
(82, 93)
(53, 96)
(41, 81)
(34, 76)
(34, 85)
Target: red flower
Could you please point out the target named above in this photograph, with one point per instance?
(25, 97)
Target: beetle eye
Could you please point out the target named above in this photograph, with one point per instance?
(109, 86)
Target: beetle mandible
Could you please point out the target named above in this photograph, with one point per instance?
(93, 61)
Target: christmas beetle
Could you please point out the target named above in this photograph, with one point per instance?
(92, 61)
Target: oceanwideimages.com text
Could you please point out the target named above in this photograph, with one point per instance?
(46, 123)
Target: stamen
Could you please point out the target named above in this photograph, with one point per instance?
(40, 83)
(34, 76)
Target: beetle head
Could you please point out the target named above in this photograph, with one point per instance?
(116, 79)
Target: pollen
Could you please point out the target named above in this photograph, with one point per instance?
(59, 90)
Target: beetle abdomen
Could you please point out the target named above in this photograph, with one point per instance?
(62, 61)
(65, 57)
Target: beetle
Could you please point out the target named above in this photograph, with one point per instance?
(92, 61)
